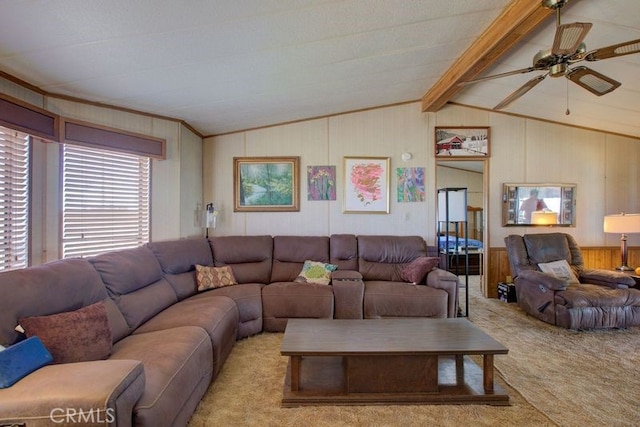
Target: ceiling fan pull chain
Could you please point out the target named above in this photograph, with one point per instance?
(567, 112)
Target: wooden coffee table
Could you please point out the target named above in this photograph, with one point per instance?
(389, 361)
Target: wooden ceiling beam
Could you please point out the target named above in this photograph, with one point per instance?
(517, 20)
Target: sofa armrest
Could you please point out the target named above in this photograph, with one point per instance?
(610, 278)
(348, 294)
(449, 282)
(537, 278)
(99, 392)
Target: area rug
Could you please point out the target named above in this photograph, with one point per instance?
(576, 378)
(249, 389)
(553, 377)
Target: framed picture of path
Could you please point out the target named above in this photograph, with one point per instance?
(266, 184)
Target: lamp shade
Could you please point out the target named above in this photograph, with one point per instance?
(622, 223)
(544, 218)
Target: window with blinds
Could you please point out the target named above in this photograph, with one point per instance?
(105, 201)
(14, 199)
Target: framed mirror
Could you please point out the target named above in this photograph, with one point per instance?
(534, 204)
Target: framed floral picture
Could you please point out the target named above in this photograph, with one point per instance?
(366, 185)
(321, 182)
(266, 184)
(410, 185)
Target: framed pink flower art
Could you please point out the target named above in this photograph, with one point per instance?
(366, 185)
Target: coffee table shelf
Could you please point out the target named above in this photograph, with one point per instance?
(389, 361)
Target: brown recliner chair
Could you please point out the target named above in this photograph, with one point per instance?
(594, 299)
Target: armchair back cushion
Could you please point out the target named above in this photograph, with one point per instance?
(382, 257)
(526, 252)
(249, 256)
(290, 253)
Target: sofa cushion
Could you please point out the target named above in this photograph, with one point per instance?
(417, 270)
(177, 372)
(178, 259)
(290, 253)
(316, 272)
(217, 315)
(214, 277)
(51, 288)
(343, 251)
(75, 336)
(382, 257)
(401, 299)
(248, 299)
(285, 300)
(134, 280)
(250, 257)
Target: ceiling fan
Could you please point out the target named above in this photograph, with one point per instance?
(568, 48)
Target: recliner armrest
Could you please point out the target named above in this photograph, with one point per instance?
(610, 278)
(535, 277)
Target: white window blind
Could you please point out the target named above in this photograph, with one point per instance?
(105, 201)
(14, 199)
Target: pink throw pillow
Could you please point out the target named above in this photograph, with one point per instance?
(74, 336)
(417, 270)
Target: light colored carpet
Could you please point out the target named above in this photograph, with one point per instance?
(553, 377)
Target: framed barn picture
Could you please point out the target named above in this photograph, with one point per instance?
(462, 142)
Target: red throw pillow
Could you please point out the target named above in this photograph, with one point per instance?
(417, 270)
(74, 336)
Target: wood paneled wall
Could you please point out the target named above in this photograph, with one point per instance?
(594, 257)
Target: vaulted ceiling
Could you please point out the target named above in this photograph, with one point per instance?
(228, 65)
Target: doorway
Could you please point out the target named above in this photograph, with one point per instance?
(471, 174)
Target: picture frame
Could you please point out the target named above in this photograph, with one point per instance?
(266, 184)
(366, 185)
(462, 141)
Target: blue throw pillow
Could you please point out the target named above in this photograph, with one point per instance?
(19, 360)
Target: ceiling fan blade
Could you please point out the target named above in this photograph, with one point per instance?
(591, 80)
(568, 37)
(615, 50)
(497, 76)
(521, 91)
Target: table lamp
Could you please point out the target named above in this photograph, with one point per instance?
(544, 217)
(623, 224)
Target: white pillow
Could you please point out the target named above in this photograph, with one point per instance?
(559, 269)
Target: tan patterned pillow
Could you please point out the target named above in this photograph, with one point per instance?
(214, 277)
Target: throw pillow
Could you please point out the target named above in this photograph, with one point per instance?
(559, 269)
(316, 272)
(74, 336)
(417, 270)
(214, 277)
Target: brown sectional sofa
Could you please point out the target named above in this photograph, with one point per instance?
(169, 342)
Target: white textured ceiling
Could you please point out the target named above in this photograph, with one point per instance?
(228, 65)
